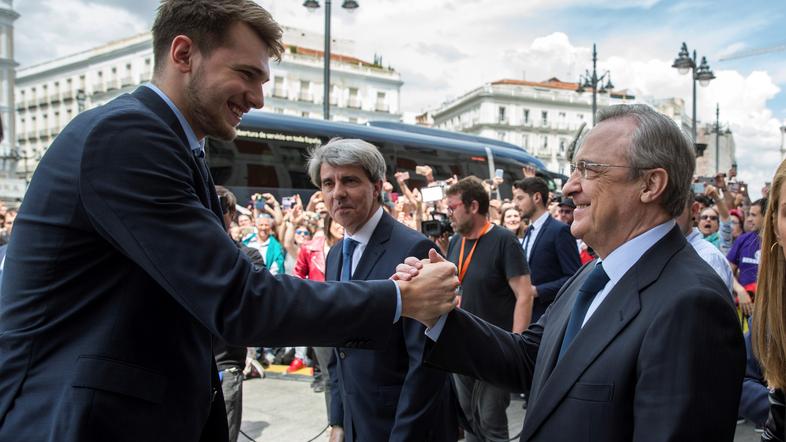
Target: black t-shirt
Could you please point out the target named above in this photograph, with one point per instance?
(485, 289)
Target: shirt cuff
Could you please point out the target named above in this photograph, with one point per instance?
(434, 332)
(398, 303)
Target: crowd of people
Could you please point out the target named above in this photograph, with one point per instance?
(133, 286)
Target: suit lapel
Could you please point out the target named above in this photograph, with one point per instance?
(540, 236)
(621, 305)
(150, 98)
(375, 248)
(333, 262)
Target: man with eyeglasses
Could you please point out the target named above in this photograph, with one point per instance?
(495, 286)
(641, 344)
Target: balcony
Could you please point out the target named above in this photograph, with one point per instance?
(354, 103)
(333, 100)
(382, 107)
(279, 92)
(126, 81)
(54, 98)
(306, 96)
(43, 101)
(146, 76)
(99, 88)
(112, 85)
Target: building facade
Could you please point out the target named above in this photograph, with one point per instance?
(50, 94)
(542, 117)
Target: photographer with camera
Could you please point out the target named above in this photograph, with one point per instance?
(494, 282)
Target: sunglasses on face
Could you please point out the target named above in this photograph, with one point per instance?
(708, 218)
(302, 232)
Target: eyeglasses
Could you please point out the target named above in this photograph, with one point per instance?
(302, 232)
(708, 218)
(589, 170)
(452, 209)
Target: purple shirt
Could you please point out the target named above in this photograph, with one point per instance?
(745, 255)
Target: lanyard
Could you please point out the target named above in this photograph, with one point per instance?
(463, 266)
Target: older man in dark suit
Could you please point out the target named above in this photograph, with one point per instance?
(385, 394)
(120, 271)
(641, 344)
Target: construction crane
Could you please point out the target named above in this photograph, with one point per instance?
(753, 52)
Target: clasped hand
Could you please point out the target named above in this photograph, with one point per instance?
(428, 287)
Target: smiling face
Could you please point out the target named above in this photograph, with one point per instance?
(609, 208)
(512, 220)
(227, 83)
(350, 196)
(708, 221)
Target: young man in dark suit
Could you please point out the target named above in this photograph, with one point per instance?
(550, 249)
(384, 394)
(641, 344)
(120, 271)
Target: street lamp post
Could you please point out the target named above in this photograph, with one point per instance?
(702, 72)
(313, 5)
(592, 80)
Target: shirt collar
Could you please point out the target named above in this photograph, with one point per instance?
(363, 235)
(541, 220)
(625, 256)
(198, 146)
(693, 234)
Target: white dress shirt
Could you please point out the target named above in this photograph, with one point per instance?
(363, 236)
(714, 257)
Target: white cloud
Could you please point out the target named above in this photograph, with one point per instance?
(54, 28)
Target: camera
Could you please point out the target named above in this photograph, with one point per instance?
(438, 226)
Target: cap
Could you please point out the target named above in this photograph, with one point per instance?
(568, 202)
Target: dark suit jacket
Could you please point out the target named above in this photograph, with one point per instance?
(118, 273)
(554, 258)
(387, 395)
(661, 359)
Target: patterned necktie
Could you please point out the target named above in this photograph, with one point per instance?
(347, 249)
(199, 156)
(527, 237)
(591, 286)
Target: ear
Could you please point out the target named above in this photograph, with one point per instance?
(653, 185)
(181, 53)
(377, 189)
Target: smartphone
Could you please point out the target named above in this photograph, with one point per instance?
(498, 173)
(421, 170)
(405, 175)
(287, 202)
(734, 187)
(260, 204)
(698, 188)
(431, 194)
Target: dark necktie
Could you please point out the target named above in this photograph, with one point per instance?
(199, 156)
(527, 237)
(591, 286)
(347, 249)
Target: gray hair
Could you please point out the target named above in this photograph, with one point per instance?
(658, 143)
(347, 152)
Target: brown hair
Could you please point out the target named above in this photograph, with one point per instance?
(769, 331)
(471, 189)
(207, 22)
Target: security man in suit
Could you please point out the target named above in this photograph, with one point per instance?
(641, 344)
(385, 394)
(120, 271)
(549, 247)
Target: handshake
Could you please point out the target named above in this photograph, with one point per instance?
(428, 287)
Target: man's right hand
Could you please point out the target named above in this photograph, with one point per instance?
(336, 434)
(430, 290)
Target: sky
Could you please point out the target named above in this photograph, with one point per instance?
(445, 48)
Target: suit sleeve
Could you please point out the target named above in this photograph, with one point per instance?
(422, 387)
(137, 188)
(467, 344)
(569, 262)
(336, 411)
(679, 389)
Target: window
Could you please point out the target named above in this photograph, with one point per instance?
(562, 144)
(526, 116)
(501, 115)
(545, 146)
(562, 116)
(525, 141)
(544, 116)
(381, 106)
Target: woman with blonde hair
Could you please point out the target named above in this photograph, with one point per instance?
(769, 332)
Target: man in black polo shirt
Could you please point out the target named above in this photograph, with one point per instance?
(495, 286)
